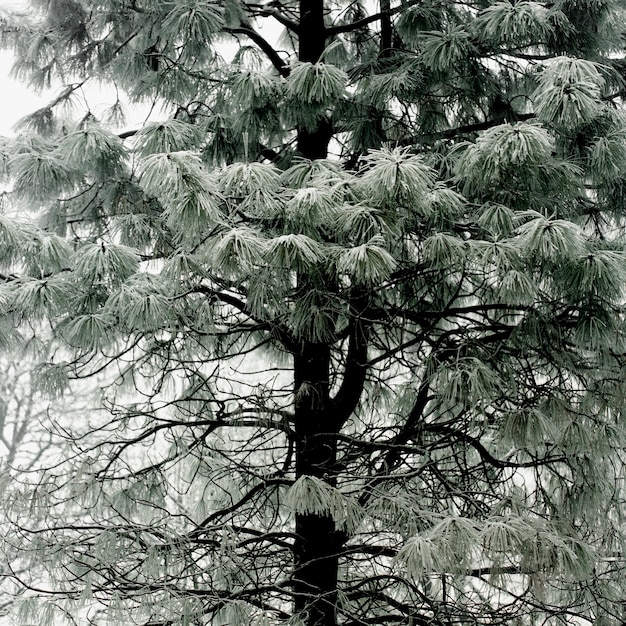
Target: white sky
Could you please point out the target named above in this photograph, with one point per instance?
(18, 100)
(15, 98)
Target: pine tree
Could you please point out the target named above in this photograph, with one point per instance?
(352, 303)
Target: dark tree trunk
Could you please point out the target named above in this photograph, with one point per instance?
(317, 544)
(386, 29)
(313, 144)
(312, 35)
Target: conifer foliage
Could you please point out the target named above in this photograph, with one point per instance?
(350, 304)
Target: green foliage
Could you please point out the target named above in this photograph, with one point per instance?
(237, 251)
(98, 151)
(39, 176)
(317, 83)
(310, 495)
(568, 93)
(297, 252)
(368, 264)
(443, 50)
(519, 24)
(348, 305)
(166, 136)
(311, 89)
(397, 176)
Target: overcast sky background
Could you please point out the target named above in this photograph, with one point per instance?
(15, 98)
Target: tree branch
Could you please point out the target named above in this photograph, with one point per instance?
(386, 29)
(346, 28)
(347, 398)
(467, 129)
(391, 458)
(203, 526)
(278, 14)
(275, 327)
(276, 60)
(485, 455)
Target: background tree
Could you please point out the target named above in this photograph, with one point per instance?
(21, 414)
(354, 305)
(27, 442)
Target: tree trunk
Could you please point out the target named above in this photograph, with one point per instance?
(317, 543)
(386, 29)
(312, 35)
(313, 144)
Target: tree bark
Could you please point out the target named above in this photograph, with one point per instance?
(317, 544)
(313, 144)
(386, 29)
(312, 32)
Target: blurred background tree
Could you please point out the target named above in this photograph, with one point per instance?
(29, 440)
(352, 306)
